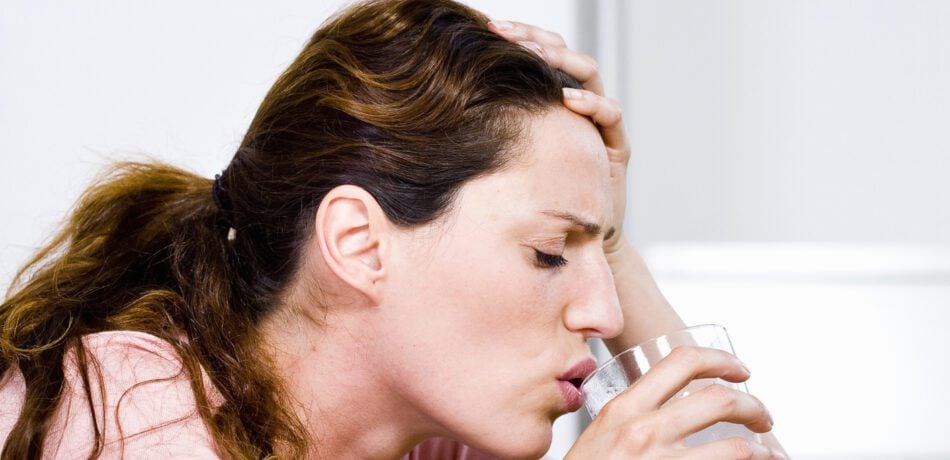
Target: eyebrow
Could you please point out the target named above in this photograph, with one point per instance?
(590, 228)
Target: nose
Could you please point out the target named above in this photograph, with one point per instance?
(595, 309)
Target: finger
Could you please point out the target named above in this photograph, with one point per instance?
(605, 112)
(669, 376)
(732, 448)
(516, 31)
(580, 66)
(552, 47)
(715, 403)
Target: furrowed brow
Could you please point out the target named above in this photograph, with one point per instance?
(590, 228)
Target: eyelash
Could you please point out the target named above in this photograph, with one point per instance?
(546, 260)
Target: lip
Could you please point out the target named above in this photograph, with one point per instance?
(573, 398)
(569, 383)
(580, 371)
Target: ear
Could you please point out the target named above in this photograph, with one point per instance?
(352, 233)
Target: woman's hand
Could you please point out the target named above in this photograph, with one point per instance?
(589, 102)
(637, 424)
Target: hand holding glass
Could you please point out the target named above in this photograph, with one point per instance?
(621, 371)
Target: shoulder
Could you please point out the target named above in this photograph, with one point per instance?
(132, 364)
(139, 396)
(132, 340)
(128, 355)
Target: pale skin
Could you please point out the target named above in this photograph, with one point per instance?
(646, 311)
(454, 329)
(460, 328)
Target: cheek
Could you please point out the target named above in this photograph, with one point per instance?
(474, 343)
(475, 314)
(502, 326)
(499, 295)
(483, 296)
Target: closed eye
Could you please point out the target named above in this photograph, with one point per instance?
(546, 260)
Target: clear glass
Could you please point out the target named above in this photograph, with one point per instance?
(618, 373)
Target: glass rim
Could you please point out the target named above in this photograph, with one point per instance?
(647, 342)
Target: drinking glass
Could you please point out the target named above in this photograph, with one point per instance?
(621, 371)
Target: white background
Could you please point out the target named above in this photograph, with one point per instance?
(788, 178)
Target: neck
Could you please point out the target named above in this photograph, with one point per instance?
(348, 411)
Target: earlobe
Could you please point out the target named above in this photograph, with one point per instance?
(351, 231)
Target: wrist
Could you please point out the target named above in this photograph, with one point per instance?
(646, 311)
(618, 252)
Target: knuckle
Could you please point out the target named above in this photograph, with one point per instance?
(741, 449)
(724, 398)
(637, 435)
(559, 39)
(618, 408)
(590, 61)
(689, 356)
(606, 412)
(554, 54)
(616, 112)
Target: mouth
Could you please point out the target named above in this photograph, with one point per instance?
(579, 371)
(570, 383)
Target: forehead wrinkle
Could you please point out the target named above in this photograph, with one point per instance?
(590, 228)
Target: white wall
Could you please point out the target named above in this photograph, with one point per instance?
(789, 120)
(789, 180)
(86, 82)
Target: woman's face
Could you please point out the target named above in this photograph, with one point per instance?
(487, 308)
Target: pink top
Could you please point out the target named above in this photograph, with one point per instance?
(146, 389)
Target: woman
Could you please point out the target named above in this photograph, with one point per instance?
(405, 256)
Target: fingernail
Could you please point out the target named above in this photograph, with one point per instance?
(502, 25)
(533, 47)
(571, 93)
(745, 368)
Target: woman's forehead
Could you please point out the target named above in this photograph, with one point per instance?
(561, 139)
(563, 168)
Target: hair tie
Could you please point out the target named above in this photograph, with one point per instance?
(220, 201)
(216, 192)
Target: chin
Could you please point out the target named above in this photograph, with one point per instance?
(533, 444)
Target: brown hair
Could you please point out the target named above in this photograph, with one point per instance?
(408, 99)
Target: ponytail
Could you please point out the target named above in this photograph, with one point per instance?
(145, 249)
